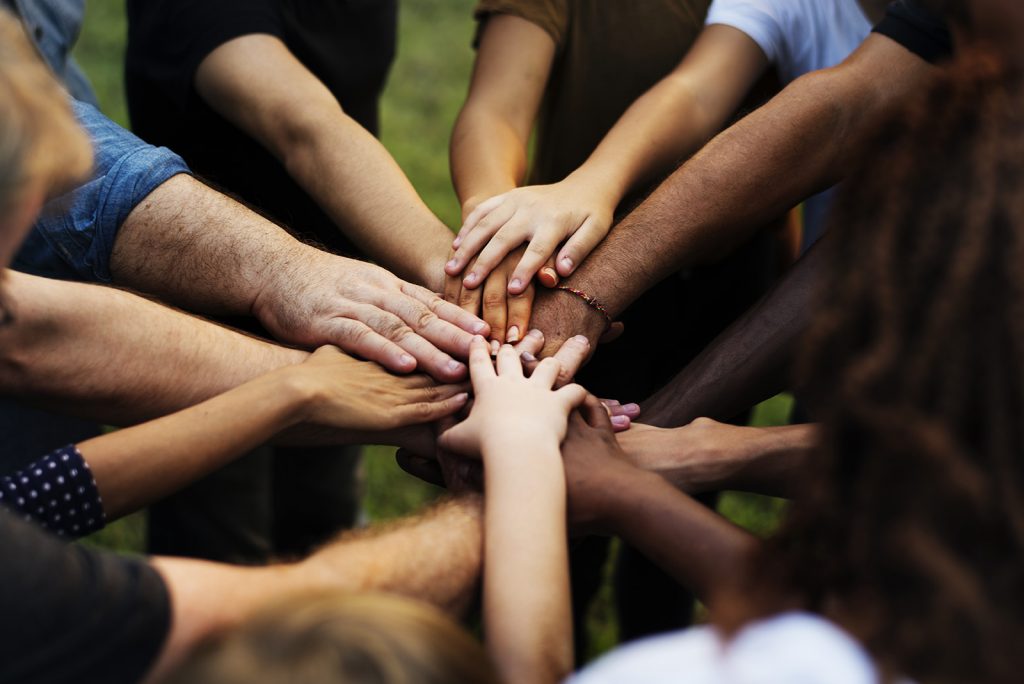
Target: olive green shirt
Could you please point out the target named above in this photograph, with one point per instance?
(607, 54)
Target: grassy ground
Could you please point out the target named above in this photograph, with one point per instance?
(426, 88)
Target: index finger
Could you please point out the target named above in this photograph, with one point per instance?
(447, 311)
(480, 366)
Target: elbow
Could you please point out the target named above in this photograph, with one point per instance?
(298, 134)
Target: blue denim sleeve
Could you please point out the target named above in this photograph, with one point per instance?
(75, 234)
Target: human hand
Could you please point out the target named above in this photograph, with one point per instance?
(365, 310)
(544, 216)
(707, 456)
(341, 392)
(506, 402)
(561, 316)
(595, 467)
(507, 314)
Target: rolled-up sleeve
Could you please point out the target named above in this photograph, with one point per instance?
(75, 233)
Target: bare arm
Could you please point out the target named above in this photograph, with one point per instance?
(138, 465)
(194, 247)
(108, 355)
(799, 143)
(708, 456)
(668, 122)
(255, 82)
(435, 558)
(489, 141)
(695, 545)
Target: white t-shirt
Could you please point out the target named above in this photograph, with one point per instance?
(798, 37)
(792, 648)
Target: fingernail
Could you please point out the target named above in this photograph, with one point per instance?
(620, 421)
(451, 264)
(528, 357)
(515, 284)
(454, 366)
(581, 339)
(535, 333)
(631, 409)
(549, 272)
(479, 327)
(495, 346)
(479, 338)
(567, 262)
(456, 242)
(513, 335)
(611, 402)
(470, 280)
(406, 360)
(461, 397)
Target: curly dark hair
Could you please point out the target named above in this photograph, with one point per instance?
(911, 534)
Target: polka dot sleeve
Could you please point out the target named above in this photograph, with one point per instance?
(57, 492)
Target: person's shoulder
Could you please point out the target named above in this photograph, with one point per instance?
(550, 15)
(695, 651)
(786, 648)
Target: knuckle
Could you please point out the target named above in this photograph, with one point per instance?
(494, 300)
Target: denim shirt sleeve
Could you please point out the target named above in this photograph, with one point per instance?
(75, 233)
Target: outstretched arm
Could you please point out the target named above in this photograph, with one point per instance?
(801, 142)
(669, 122)
(111, 356)
(434, 557)
(194, 247)
(256, 83)
(526, 573)
(695, 545)
(142, 464)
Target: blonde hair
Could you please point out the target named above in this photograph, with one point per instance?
(40, 141)
(342, 639)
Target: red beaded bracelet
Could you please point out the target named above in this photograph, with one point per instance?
(591, 301)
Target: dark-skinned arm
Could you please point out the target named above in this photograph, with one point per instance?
(801, 142)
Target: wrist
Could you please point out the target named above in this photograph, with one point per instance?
(605, 186)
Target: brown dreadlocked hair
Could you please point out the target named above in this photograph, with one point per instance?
(911, 533)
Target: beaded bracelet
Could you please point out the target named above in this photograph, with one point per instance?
(591, 302)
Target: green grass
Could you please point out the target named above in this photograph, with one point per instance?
(426, 88)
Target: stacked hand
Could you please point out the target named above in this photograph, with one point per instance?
(365, 310)
(542, 216)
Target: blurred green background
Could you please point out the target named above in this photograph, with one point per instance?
(427, 85)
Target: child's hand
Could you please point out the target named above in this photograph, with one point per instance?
(510, 408)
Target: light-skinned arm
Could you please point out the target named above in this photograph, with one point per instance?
(142, 464)
(434, 557)
(799, 143)
(488, 156)
(608, 494)
(526, 571)
(196, 248)
(667, 123)
(256, 83)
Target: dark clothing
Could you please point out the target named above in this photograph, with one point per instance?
(347, 44)
(917, 29)
(607, 54)
(57, 492)
(72, 614)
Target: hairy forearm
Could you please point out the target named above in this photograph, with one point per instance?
(750, 360)
(353, 178)
(192, 246)
(434, 558)
(526, 591)
(802, 141)
(690, 542)
(488, 157)
(111, 356)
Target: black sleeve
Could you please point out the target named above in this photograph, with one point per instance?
(918, 29)
(168, 39)
(71, 614)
